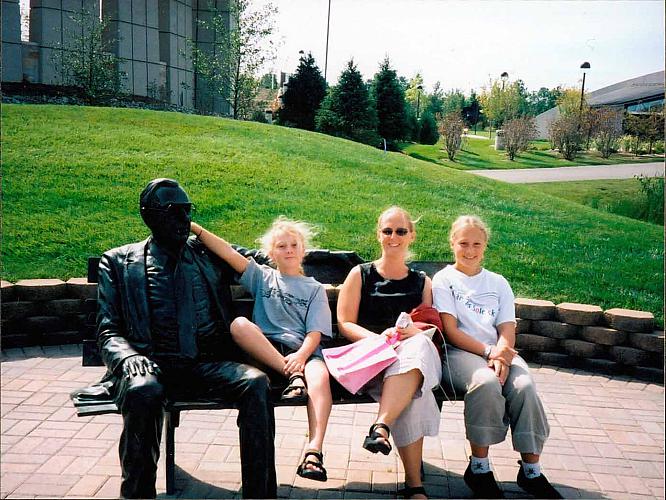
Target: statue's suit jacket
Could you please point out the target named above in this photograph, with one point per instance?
(123, 318)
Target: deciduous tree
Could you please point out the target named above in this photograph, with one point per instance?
(414, 95)
(502, 102)
(231, 63)
(451, 129)
(542, 100)
(518, 133)
(88, 61)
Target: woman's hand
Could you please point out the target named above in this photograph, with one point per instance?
(408, 331)
(503, 354)
(294, 363)
(501, 370)
(392, 336)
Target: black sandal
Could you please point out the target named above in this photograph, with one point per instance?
(316, 474)
(410, 491)
(375, 441)
(295, 394)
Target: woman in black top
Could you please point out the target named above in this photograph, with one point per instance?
(371, 298)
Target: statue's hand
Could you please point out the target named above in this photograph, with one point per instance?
(139, 365)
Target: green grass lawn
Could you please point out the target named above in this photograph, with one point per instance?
(618, 196)
(477, 154)
(72, 176)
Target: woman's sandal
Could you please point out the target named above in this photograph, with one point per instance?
(312, 469)
(375, 442)
(410, 491)
(295, 394)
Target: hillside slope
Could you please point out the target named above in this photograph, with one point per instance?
(72, 176)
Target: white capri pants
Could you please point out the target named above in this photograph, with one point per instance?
(421, 418)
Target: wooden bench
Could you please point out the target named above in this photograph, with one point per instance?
(323, 265)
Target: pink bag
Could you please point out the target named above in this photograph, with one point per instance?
(354, 365)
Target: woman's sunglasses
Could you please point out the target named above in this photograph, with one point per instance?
(401, 231)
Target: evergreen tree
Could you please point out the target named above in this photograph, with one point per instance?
(305, 92)
(413, 127)
(389, 101)
(435, 105)
(472, 112)
(428, 133)
(346, 110)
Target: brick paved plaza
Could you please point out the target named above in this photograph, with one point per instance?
(607, 441)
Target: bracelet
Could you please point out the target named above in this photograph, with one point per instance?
(486, 352)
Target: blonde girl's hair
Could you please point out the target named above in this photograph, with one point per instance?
(411, 223)
(302, 230)
(468, 221)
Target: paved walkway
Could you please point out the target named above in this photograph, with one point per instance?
(607, 441)
(585, 173)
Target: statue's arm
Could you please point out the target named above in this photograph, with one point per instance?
(113, 345)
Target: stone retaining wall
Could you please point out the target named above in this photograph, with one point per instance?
(49, 312)
(44, 311)
(585, 336)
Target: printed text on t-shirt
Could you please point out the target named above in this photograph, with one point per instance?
(475, 307)
(287, 298)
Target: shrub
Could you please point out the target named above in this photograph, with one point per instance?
(451, 128)
(566, 136)
(608, 131)
(653, 189)
(517, 135)
(259, 115)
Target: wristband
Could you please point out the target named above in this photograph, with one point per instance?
(486, 352)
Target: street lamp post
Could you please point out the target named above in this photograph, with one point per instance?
(584, 66)
(418, 100)
(328, 25)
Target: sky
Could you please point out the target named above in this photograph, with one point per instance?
(464, 44)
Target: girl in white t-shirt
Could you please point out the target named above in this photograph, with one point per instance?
(477, 310)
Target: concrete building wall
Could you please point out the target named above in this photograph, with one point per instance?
(175, 28)
(133, 29)
(544, 120)
(12, 70)
(53, 30)
(149, 36)
(204, 11)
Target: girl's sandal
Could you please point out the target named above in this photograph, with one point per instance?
(375, 442)
(295, 394)
(311, 468)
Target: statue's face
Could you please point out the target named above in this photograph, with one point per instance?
(168, 216)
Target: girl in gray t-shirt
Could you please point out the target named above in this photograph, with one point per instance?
(290, 315)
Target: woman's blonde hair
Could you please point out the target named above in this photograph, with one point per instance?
(302, 230)
(468, 221)
(411, 223)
